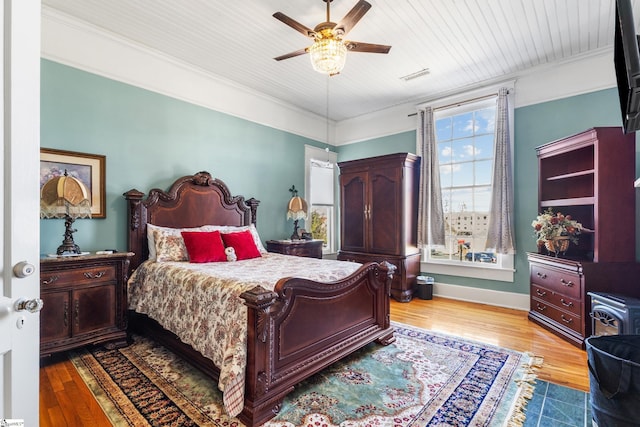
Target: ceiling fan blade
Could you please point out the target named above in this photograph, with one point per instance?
(303, 29)
(367, 47)
(352, 18)
(291, 54)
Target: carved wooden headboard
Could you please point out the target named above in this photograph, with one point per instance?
(191, 201)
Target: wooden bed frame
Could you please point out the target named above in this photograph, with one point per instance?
(294, 332)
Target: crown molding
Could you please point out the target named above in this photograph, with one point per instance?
(75, 43)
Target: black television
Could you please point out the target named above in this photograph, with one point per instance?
(626, 59)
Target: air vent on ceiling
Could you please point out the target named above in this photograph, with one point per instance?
(415, 75)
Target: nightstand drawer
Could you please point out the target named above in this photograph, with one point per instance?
(80, 276)
(566, 283)
(303, 248)
(553, 298)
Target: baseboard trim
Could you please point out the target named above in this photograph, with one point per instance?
(483, 296)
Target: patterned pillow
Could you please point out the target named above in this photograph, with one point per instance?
(151, 239)
(169, 246)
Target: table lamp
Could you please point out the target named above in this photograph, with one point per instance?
(296, 210)
(65, 197)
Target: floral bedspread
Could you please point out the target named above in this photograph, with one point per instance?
(201, 304)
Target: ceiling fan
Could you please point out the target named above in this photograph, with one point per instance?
(329, 51)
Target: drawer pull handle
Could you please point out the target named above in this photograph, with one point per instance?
(50, 280)
(541, 307)
(565, 320)
(90, 275)
(540, 293)
(541, 275)
(66, 314)
(568, 284)
(76, 310)
(565, 303)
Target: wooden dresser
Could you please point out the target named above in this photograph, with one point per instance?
(85, 301)
(303, 248)
(590, 177)
(379, 216)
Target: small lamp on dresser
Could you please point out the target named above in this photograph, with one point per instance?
(296, 210)
(67, 198)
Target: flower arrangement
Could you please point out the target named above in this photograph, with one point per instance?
(549, 225)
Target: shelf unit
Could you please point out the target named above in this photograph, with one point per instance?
(589, 176)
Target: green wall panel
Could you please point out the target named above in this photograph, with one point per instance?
(150, 139)
(399, 143)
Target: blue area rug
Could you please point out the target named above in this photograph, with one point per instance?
(423, 379)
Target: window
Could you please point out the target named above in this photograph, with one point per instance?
(464, 141)
(462, 137)
(320, 183)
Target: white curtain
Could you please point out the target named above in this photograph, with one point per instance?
(430, 212)
(501, 231)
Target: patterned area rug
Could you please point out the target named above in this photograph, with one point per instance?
(423, 379)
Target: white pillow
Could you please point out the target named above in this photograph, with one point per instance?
(151, 239)
(234, 229)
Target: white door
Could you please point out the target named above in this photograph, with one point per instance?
(19, 172)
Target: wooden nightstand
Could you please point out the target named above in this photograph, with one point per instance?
(305, 248)
(85, 301)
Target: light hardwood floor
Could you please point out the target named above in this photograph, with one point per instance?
(66, 401)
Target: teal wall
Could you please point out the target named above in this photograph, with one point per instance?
(399, 143)
(534, 126)
(150, 139)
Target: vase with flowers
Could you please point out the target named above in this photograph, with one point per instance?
(554, 231)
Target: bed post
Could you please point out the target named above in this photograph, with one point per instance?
(253, 206)
(257, 409)
(135, 228)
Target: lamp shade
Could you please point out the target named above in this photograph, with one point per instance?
(297, 208)
(328, 55)
(64, 196)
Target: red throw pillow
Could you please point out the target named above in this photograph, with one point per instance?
(243, 243)
(204, 246)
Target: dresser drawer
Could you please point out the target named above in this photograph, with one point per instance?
(560, 317)
(79, 276)
(554, 298)
(564, 282)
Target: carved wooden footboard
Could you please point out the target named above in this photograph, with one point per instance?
(305, 326)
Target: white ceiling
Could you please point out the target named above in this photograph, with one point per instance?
(464, 43)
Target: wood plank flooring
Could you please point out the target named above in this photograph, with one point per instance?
(564, 363)
(66, 401)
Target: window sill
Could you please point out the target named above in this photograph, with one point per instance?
(476, 271)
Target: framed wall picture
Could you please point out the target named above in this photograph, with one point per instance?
(88, 168)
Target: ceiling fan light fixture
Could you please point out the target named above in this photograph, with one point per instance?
(328, 55)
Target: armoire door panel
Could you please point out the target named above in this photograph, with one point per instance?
(354, 229)
(384, 212)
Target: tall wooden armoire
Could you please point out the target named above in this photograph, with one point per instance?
(379, 216)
